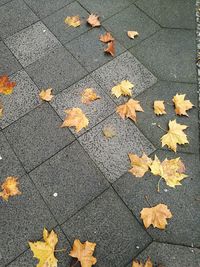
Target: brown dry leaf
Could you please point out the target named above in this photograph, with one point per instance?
(111, 48)
(9, 188)
(6, 86)
(109, 131)
(46, 95)
(140, 165)
(75, 118)
(129, 109)
(181, 105)
(84, 253)
(123, 88)
(175, 135)
(107, 37)
(88, 96)
(93, 20)
(1, 110)
(157, 216)
(148, 263)
(132, 34)
(159, 107)
(73, 21)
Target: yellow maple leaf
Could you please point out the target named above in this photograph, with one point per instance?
(93, 20)
(44, 251)
(175, 135)
(73, 21)
(9, 188)
(140, 165)
(89, 95)
(46, 95)
(148, 263)
(75, 118)
(132, 34)
(109, 131)
(84, 253)
(157, 216)
(159, 107)
(123, 88)
(181, 105)
(6, 86)
(129, 109)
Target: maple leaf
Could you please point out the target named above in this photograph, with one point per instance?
(46, 95)
(93, 20)
(9, 188)
(175, 135)
(6, 86)
(129, 109)
(111, 48)
(140, 165)
(123, 88)
(148, 263)
(73, 21)
(88, 96)
(157, 216)
(107, 37)
(84, 253)
(75, 118)
(109, 131)
(159, 107)
(181, 105)
(44, 251)
(132, 34)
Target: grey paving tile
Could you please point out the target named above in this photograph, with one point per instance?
(111, 155)
(22, 219)
(2, 2)
(165, 91)
(31, 43)
(71, 97)
(58, 70)
(124, 67)
(170, 13)
(171, 255)
(25, 97)
(14, 16)
(9, 63)
(107, 222)
(89, 50)
(182, 200)
(73, 176)
(37, 136)
(131, 19)
(169, 54)
(62, 31)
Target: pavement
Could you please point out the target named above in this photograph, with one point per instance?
(79, 184)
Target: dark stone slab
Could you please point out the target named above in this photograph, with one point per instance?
(37, 136)
(183, 201)
(107, 222)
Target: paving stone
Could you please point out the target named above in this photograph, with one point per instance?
(166, 91)
(9, 164)
(37, 136)
(107, 222)
(124, 67)
(131, 19)
(58, 70)
(22, 219)
(89, 50)
(14, 16)
(71, 97)
(182, 201)
(73, 176)
(8, 64)
(2, 2)
(170, 13)
(31, 43)
(24, 98)
(171, 255)
(169, 54)
(62, 31)
(111, 155)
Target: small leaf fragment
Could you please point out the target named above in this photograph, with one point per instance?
(181, 105)
(140, 165)
(1, 110)
(159, 107)
(9, 188)
(6, 86)
(109, 131)
(129, 109)
(148, 263)
(73, 21)
(123, 88)
(88, 96)
(107, 37)
(46, 95)
(132, 34)
(111, 48)
(93, 20)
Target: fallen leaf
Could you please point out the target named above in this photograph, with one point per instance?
(129, 109)
(181, 105)
(159, 107)
(132, 34)
(111, 48)
(107, 37)
(88, 96)
(84, 253)
(123, 88)
(109, 131)
(6, 86)
(148, 263)
(44, 251)
(140, 165)
(46, 94)
(73, 21)
(75, 118)
(93, 20)
(9, 188)
(175, 135)
(157, 216)
(1, 110)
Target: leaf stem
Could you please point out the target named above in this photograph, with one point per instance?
(158, 185)
(60, 250)
(158, 125)
(147, 200)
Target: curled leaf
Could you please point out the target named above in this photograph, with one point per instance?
(159, 107)
(93, 20)
(111, 48)
(181, 105)
(140, 165)
(46, 95)
(73, 21)
(129, 109)
(107, 37)
(88, 96)
(9, 188)
(123, 88)
(6, 86)
(132, 34)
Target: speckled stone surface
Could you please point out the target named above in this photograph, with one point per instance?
(111, 155)
(31, 43)
(96, 111)
(2, 2)
(24, 98)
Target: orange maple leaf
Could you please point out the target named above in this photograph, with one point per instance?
(107, 37)
(148, 263)
(9, 188)
(129, 109)
(6, 86)
(111, 48)
(93, 20)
